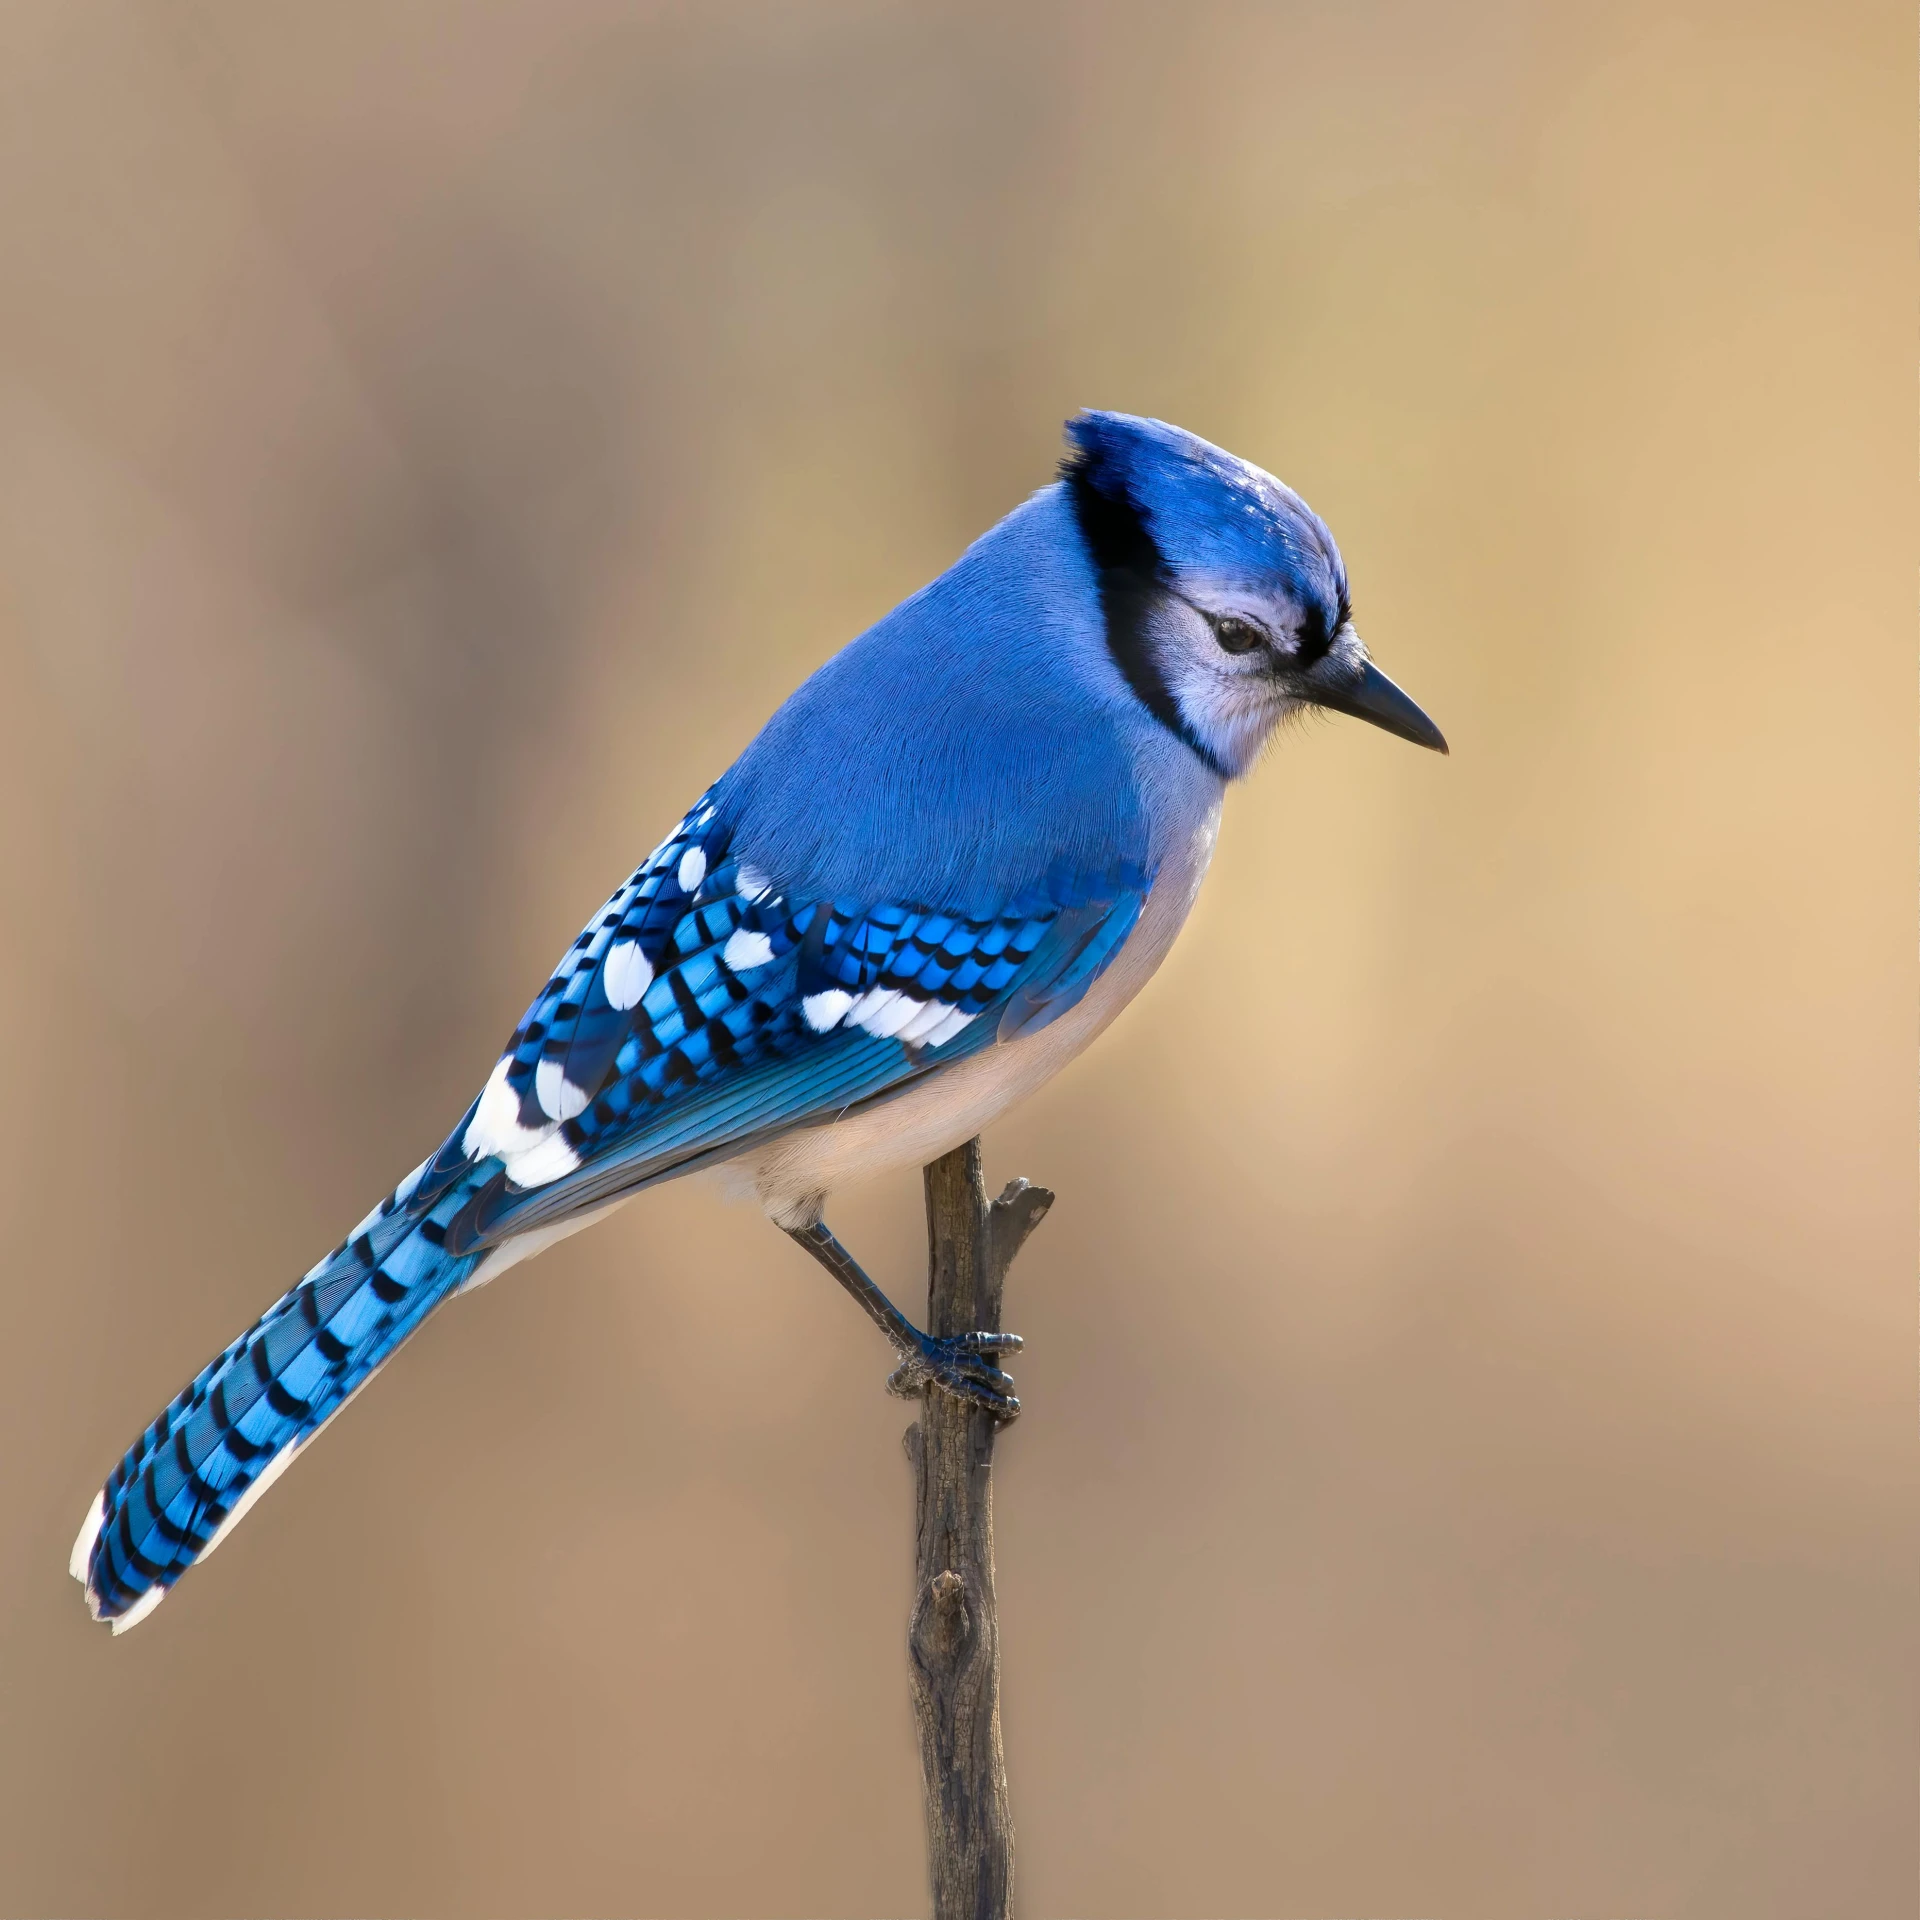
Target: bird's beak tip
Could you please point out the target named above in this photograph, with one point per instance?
(1376, 699)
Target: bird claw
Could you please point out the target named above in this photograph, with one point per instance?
(959, 1364)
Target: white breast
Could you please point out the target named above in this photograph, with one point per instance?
(793, 1175)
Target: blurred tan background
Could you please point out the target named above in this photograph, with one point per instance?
(1470, 1459)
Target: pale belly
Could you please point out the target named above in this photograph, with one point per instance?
(792, 1176)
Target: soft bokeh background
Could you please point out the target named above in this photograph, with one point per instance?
(1471, 1459)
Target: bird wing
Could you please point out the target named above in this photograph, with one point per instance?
(702, 1009)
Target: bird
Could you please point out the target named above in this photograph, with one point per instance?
(937, 873)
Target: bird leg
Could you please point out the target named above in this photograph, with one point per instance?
(959, 1363)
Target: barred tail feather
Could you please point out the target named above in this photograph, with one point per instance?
(236, 1428)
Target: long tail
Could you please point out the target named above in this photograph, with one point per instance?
(229, 1435)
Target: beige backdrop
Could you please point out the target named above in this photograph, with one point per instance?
(1470, 1456)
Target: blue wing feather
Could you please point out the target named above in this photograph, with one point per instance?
(698, 1011)
(1074, 952)
(842, 1005)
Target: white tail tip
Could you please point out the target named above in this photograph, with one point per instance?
(88, 1534)
(140, 1609)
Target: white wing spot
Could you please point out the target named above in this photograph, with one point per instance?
(949, 1027)
(557, 1094)
(747, 950)
(626, 975)
(886, 1013)
(825, 1010)
(496, 1124)
(540, 1166)
(693, 869)
(931, 1015)
(753, 884)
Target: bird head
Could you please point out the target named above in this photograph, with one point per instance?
(1225, 597)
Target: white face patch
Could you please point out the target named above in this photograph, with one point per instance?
(1232, 714)
(556, 1093)
(747, 950)
(625, 975)
(540, 1166)
(496, 1124)
(693, 869)
(826, 1010)
(1229, 702)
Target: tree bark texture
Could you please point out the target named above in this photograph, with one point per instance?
(953, 1641)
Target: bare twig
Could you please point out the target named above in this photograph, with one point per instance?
(953, 1642)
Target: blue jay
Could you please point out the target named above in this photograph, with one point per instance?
(943, 866)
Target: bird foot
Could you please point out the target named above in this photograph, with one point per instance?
(960, 1364)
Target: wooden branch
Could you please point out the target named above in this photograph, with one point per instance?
(953, 1641)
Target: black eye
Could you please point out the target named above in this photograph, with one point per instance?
(1237, 636)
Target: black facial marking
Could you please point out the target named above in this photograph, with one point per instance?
(1317, 631)
(1132, 584)
(1315, 636)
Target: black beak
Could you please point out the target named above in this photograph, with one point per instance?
(1370, 695)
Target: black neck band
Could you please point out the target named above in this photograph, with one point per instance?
(1132, 578)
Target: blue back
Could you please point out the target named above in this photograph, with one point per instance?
(955, 752)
